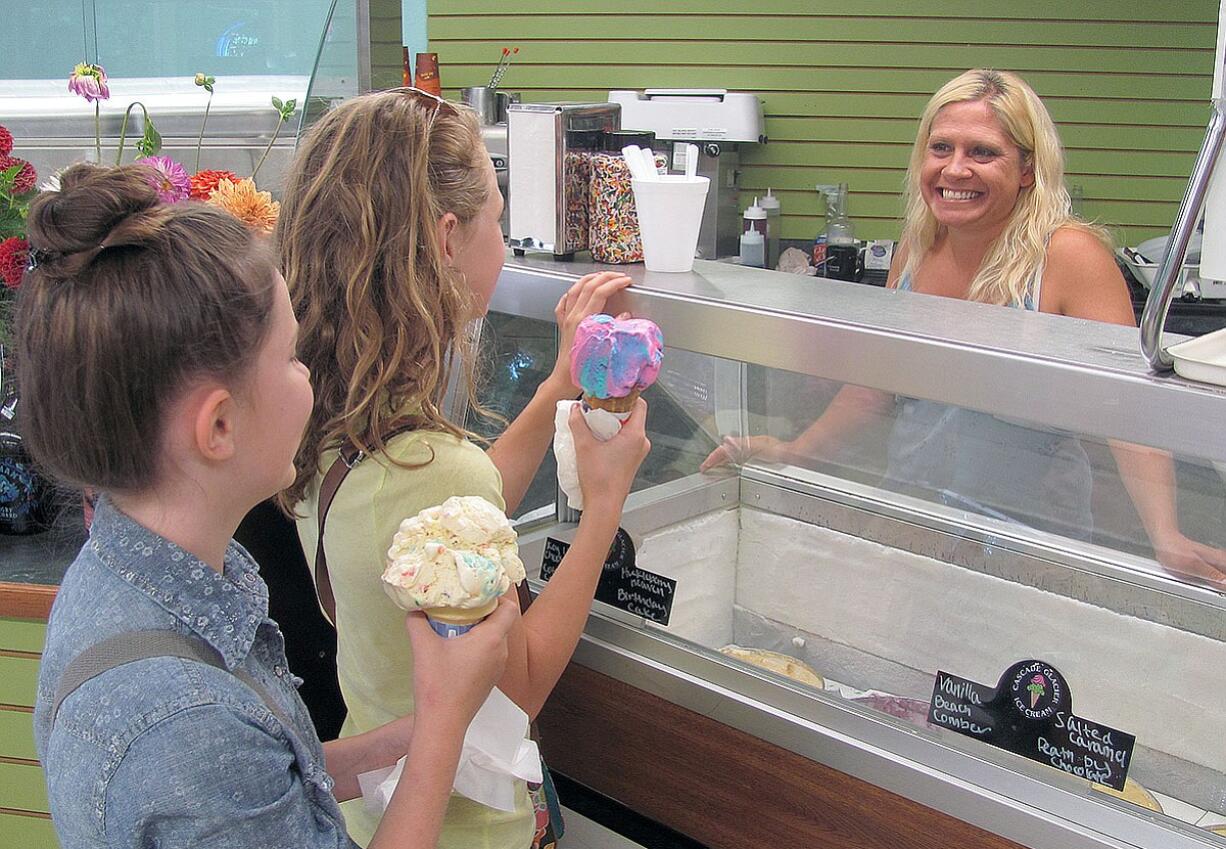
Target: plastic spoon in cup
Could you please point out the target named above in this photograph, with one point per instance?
(631, 153)
(691, 161)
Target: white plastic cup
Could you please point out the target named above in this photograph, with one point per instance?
(670, 216)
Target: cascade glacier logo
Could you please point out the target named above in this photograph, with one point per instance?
(234, 42)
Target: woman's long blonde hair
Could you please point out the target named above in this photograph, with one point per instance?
(1008, 270)
(381, 315)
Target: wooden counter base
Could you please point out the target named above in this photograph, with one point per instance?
(721, 786)
(26, 601)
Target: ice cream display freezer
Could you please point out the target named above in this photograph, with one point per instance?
(944, 627)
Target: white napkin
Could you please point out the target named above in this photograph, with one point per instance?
(496, 752)
(603, 425)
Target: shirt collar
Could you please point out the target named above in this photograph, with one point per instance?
(222, 609)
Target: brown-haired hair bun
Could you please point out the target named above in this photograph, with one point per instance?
(129, 300)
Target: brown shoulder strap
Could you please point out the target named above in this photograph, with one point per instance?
(349, 457)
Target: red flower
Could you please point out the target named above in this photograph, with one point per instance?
(6, 141)
(26, 177)
(204, 183)
(14, 253)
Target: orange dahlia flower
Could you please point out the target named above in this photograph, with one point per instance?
(245, 202)
(205, 182)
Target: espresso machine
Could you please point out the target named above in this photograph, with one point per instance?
(719, 123)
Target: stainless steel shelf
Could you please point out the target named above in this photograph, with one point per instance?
(1070, 374)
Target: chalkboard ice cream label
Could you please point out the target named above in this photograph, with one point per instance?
(622, 584)
(1030, 713)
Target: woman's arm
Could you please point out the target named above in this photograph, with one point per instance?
(1082, 280)
(348, 757)
(542, 645)
(848, 411)
(518, 452)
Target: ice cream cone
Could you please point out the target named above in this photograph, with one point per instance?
(454, 621)
(623, 404)
(461, 615)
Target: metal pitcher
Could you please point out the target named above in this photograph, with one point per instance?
(489, 104)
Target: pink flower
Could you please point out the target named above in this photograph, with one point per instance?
(6, 141)
(171, 180)
(89, 81)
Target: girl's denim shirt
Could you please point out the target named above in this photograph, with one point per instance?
(169, 752)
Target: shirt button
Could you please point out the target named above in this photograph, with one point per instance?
(278, 670)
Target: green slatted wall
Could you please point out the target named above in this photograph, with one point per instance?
(23, 793)
(843, 83)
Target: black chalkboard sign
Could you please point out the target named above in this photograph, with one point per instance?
(1030, 713)
(622, 584)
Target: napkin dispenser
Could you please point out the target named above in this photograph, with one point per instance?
(539, 188)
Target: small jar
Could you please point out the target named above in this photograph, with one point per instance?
(613, 236)
(581, 145)
(614, 233)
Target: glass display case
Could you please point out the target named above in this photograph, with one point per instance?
(908, 492)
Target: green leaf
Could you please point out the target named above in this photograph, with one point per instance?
(151, 142)
(8, 177)
(276, 103)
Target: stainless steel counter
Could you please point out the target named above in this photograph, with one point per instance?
(1077, 375)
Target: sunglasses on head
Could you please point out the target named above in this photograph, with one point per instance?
(420, 94)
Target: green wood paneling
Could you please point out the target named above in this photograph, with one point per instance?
(28, 832)
(510, 26)
(841, 55)
(843, 84)
(22, 634)
(1084, 10)
(23, 788)
(18, 680)
(16, 737)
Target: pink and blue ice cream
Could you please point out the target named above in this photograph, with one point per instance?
(614, 358)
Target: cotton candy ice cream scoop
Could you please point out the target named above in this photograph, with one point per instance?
(613, 360)
(453, 561)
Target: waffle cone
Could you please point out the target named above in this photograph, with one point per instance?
(623, 404)
(461, 615)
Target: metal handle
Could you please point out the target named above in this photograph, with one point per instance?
(1153, 319)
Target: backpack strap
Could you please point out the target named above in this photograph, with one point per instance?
(349, 457)
(132, 646)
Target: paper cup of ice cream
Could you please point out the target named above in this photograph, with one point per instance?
(453, 562)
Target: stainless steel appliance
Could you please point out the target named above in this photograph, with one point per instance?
(540, 186)
(719, 122)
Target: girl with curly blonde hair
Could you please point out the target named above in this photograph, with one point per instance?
(391, 245)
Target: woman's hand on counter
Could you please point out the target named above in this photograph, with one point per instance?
(741, 449)
(1176, 553)
(587, 296)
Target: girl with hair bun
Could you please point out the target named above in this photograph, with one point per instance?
(391, 244)
(156, 356)
(988, 219)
